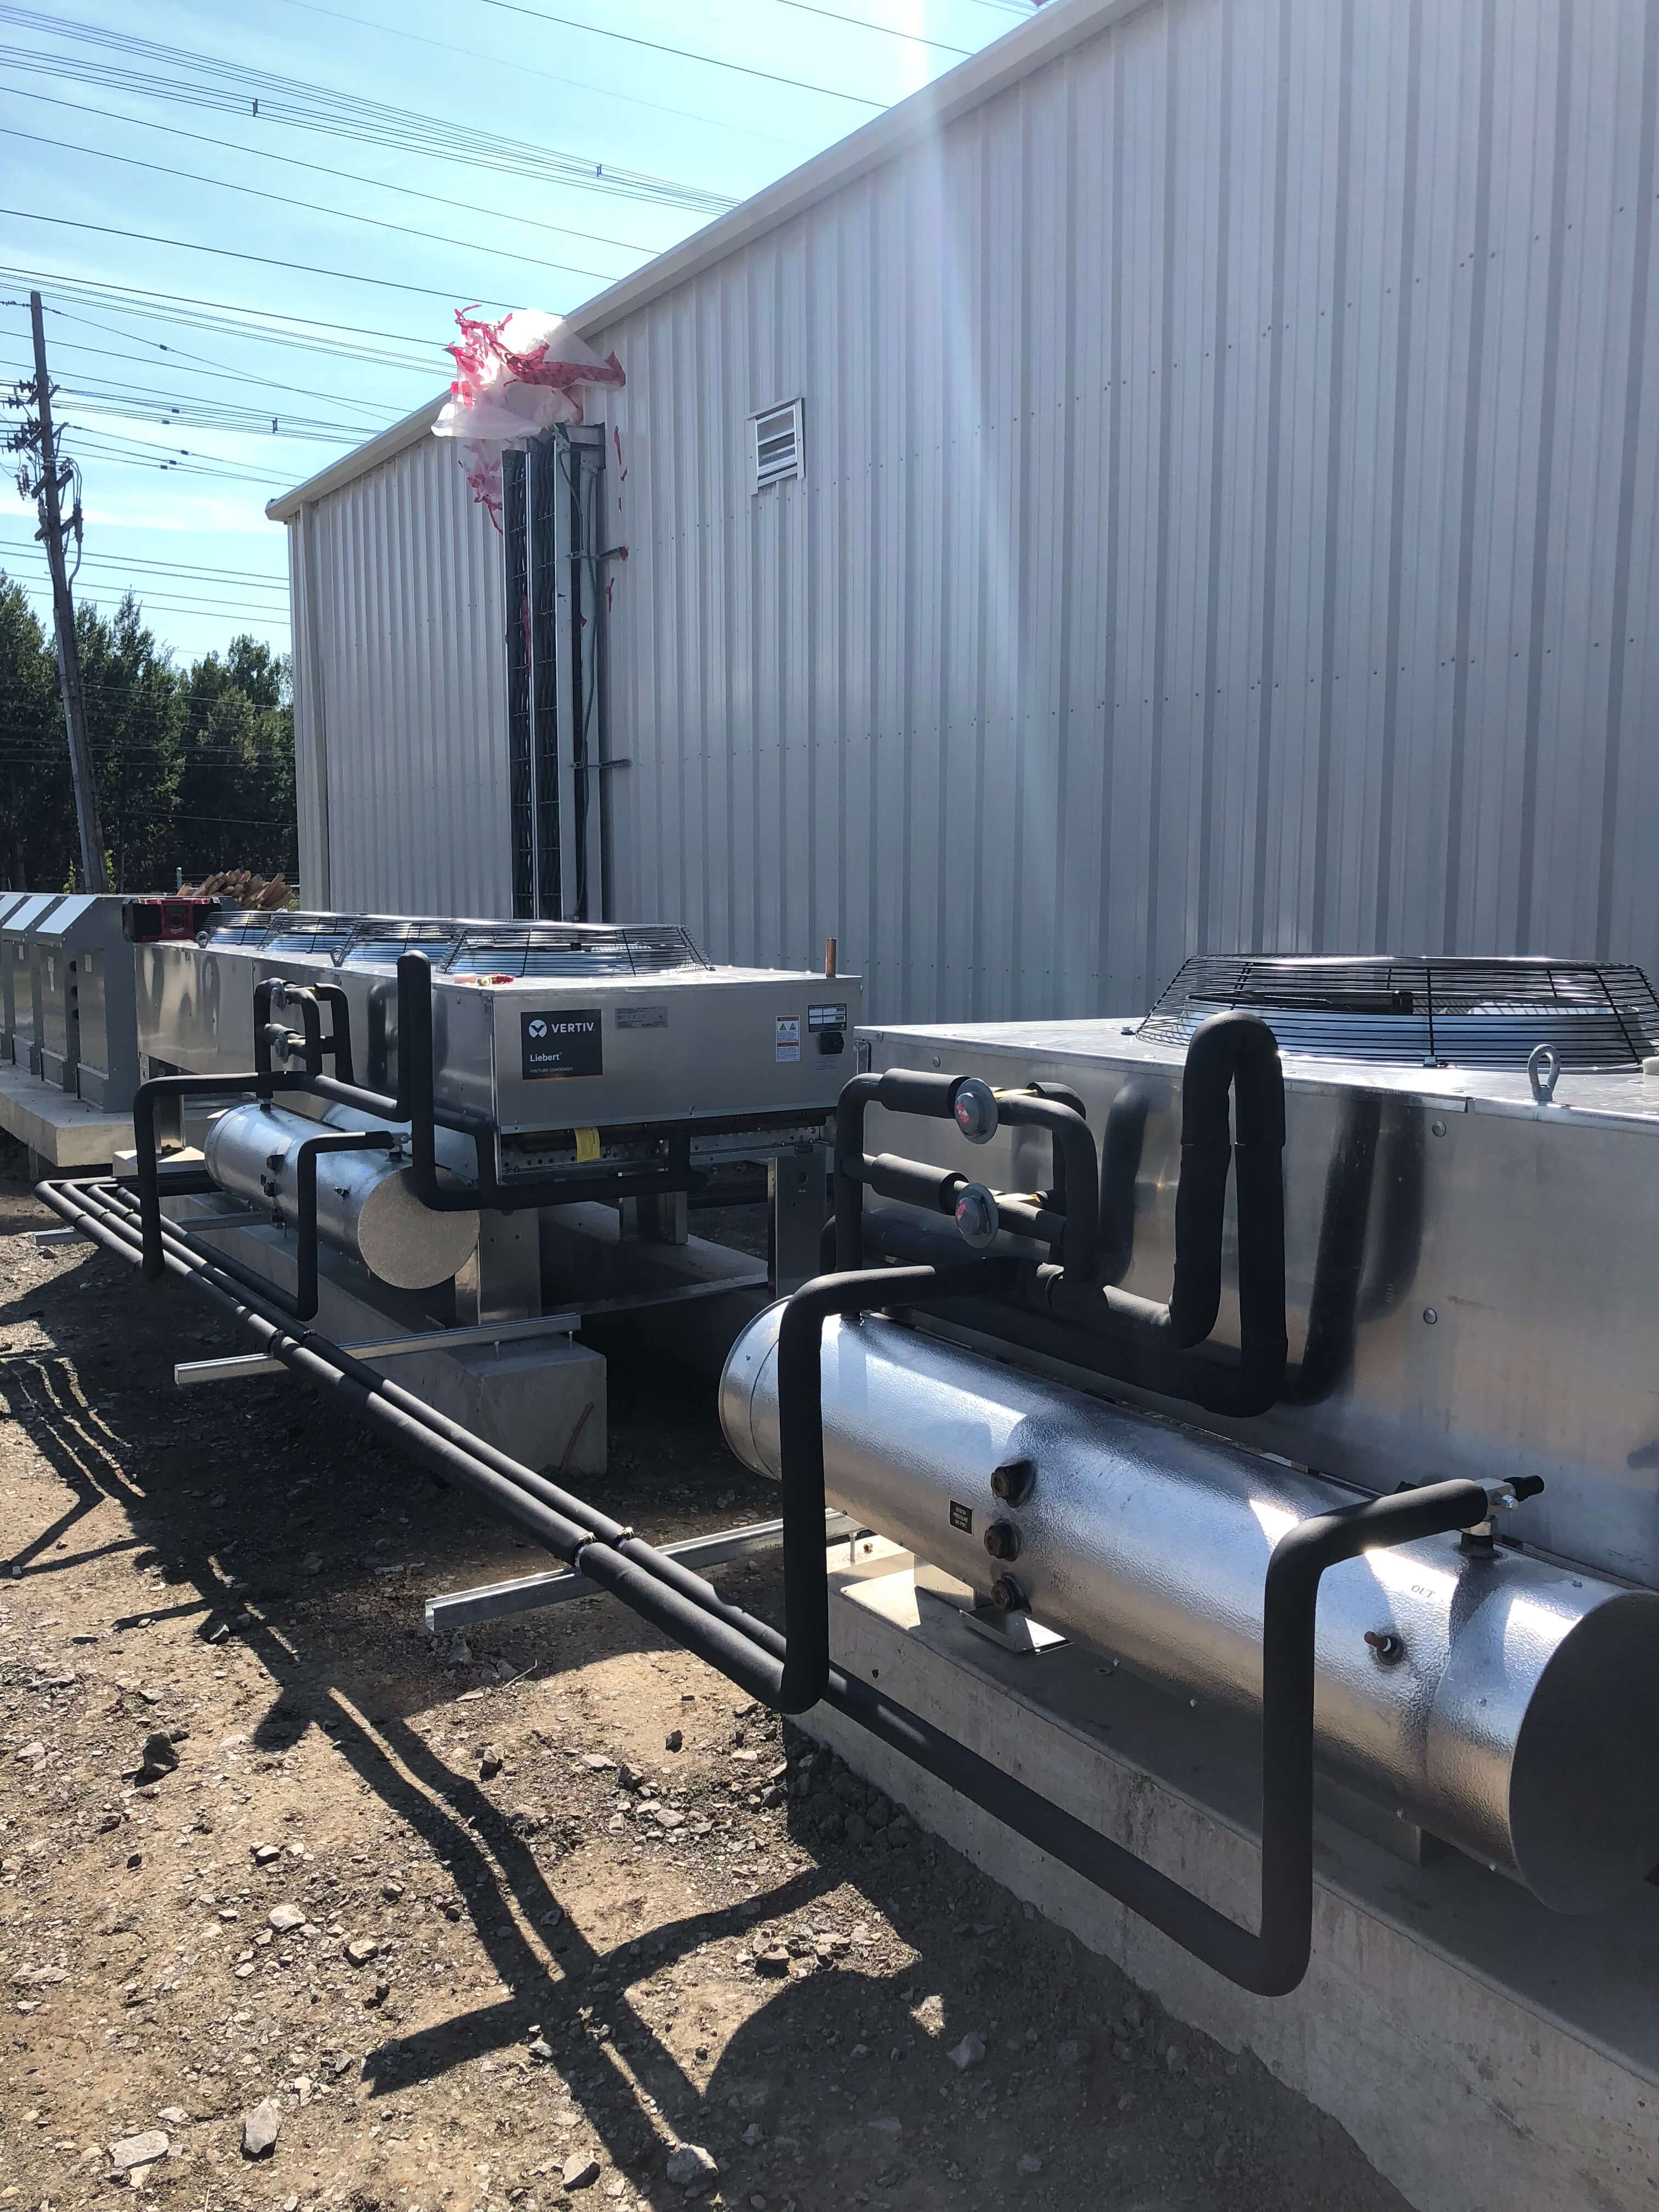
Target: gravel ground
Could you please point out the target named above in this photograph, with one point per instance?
(297, 1911)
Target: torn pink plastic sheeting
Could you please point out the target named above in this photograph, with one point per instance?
(512, 379)
(481, 465)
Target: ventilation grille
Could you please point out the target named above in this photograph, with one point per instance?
(307, 932)
(240, 927)
(578, 948)
(1429, 1013)
(376, 941)
(777, 441)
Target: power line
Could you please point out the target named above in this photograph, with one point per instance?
(518, 68)
(231, 253)
(188, 364)
(310, 207)
(185, 468)
(681, 53)
(175, 604)
(887, 30)
(119, 403)
(155, 561)
(321, 169)
(315, 332)
(296, 102)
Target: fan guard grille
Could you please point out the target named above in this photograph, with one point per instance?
(1432, 1012)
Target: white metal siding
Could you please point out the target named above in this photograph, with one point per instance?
(401, 693)
(1230, 523)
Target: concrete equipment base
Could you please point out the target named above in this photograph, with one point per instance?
(1486, 2055)
(542, 1402)
(58, 1131)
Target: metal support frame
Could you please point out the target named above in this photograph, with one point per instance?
(246, 1367)
(530, 1593)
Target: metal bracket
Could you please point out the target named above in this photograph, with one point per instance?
(529, 1593)
(1012, 1632)
(244, 1367)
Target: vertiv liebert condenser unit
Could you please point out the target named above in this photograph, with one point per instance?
(498, 1067)
(545, 1030)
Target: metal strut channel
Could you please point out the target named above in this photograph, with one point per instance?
(792, 1672)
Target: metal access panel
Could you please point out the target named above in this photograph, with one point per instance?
(689, 1046)
(88, 1011)
(1471, 1274)
(196, 1000)
(18, 1041)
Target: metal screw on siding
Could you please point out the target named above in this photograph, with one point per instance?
(1438, 1128)
(1430, 1315)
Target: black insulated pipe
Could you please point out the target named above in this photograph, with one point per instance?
(1237, 1055)
(1269, 1962)
(1070, 1220)
(1232, 1118)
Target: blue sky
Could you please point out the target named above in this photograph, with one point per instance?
(194, 541)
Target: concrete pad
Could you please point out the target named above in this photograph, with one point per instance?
(542, 1402)
(1487, 2055)
(60, 1131)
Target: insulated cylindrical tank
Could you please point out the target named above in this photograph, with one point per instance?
(1503, 1703)
(366, 1203)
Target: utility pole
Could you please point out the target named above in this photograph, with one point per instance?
(69, 658)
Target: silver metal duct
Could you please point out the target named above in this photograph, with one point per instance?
(365, 1204)
(1507, 1706)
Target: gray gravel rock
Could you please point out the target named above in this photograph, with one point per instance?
(690, 2163)
(141, 2149)
(282, 1917)
(261, 2128)
(160, 1757)
(970, 2051)
(580, 2172)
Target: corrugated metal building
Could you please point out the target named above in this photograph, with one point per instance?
(1227, 521)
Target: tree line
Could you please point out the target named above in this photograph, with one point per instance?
(195, 765)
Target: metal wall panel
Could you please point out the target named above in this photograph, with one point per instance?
(1228, 521)
(400, 693)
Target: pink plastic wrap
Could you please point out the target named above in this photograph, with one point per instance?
(514, 379)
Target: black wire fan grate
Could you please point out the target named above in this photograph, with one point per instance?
(1432, 1012)
(573, 948)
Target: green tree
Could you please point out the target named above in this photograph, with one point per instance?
(37, 804)
(239, 771)
(195, 770)
(135, 719)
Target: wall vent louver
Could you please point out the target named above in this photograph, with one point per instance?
(776, 444)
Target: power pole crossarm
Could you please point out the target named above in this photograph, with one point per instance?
(63, 607)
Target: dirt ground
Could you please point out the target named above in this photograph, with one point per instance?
(507, 1921)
